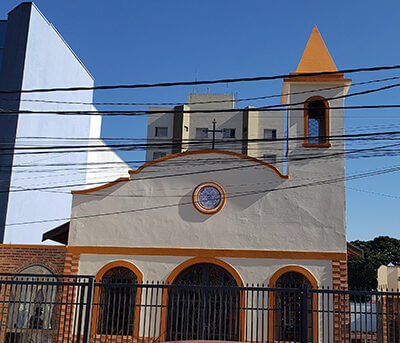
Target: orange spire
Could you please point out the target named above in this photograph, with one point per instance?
(316, 57)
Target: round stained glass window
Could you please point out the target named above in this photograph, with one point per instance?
(209, 197)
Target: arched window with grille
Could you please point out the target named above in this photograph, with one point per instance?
(316, 123)
(203, 312)
(116, 300)
(285, 324)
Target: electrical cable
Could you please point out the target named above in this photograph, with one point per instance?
(248, 193)
(202, 171)
(203, 82)
(198, 102)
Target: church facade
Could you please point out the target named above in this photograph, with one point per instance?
(251, 217)
(227, 216)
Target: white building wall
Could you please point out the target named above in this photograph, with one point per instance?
(262, 210)
(251, 270)
(49, 62)
(103, 164)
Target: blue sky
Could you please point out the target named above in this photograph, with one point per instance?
(160, 41)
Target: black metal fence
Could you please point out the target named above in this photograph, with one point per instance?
(38, 308)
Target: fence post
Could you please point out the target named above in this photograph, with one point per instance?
(304, 314)
(88, 312)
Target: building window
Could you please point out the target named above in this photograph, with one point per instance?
(228, 133)
(287, 307)
(269, 158)
(213, 310)
(159, 154)
(115, 300)
(270, 134)
(201, 132)
(161, 131)
(316, 123)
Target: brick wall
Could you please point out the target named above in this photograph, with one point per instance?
(15, 258)
(341, 304)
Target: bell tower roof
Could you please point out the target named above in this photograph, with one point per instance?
(316, 57)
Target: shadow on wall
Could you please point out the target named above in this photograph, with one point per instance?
(240, 195)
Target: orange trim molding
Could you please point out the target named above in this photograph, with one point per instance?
(34, 246)
(196, 260)
(293, 268)
(179, 154)
(98, 188)
(326, 144)
(324, 78)
(314, 283)
(99, 276)
(209, 151)
(121, 263)
(212, 253)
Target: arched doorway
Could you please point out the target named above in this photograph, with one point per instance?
(287, 304)
(116, 299)
(203, 312)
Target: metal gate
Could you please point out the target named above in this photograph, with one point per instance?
(45, 308)
(57, 308)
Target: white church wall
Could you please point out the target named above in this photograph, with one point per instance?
(262, 211)
(305, 164)
(251, 270)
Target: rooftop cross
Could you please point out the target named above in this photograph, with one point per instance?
(213, 132)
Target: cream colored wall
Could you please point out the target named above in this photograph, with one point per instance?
(256, 271)
(159, 120)
(224, 120)
(185, 122)
(258, 121)
(389, 278)
(262, 211)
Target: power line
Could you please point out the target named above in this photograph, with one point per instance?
(198, 102)
(248, 193)
(270, 108)
(205, 171)
(166, 145)
(352, 128)
(203, 82)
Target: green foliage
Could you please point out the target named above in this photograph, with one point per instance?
(379, 251)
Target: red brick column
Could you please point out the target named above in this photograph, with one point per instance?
(66, 313)
(341, 305)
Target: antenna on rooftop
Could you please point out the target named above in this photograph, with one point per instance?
(195, 88)
(236, 99)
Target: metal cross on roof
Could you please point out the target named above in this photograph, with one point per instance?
(214, 122)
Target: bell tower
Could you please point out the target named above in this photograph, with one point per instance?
(310, 120)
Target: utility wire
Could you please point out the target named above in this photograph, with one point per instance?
(242, 194)
(202, 171)
(352, 128)
(202, 143)
(198, 102)
(203, 82)
(277, 107)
